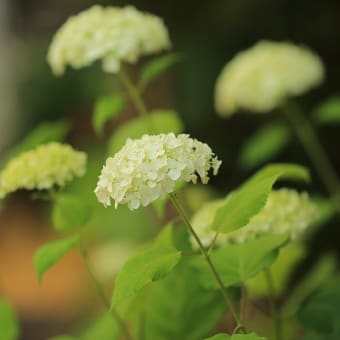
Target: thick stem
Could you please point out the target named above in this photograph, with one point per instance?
(310, 142)
(224, 292)
(274, 310)
(101, 292)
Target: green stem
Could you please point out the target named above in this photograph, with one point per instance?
(274, 310)
(224, 292)
(310, 142)
(101, 292)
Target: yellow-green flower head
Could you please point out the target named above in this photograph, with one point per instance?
(147, 169)
(42, 168)
(286, 212)
(110, 34)
(261, 77)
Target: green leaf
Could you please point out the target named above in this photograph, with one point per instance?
(251, 197)
(63, 337)
(103, 327)
(249, 336)
(161, 121)
(106, 108)
(237, 263)
(179, 308)
(70, 212)
(9, 326)
(264, 145)
(157, 67)
(50, 253)
(328, 112)
(149, 265)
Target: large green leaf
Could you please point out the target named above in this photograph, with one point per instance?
(328, 112)
(50, 253)
(157, 67)
(106, 108)
(237, 263)
(103, 327)
(251, 197)
(151, 264)
(179, 308)
(9, 326)
(159, 121)
(70, 212)
(264, 145)
(249, 336)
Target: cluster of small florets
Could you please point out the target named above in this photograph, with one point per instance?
(48, 165)
(260, 78)
(286, 212)
(147, 169)
(110, 34)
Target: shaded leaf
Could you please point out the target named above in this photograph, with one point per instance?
(9, 326)
(106, 108)
(102, 328)
(63, 337)
(328, 112)
(50, 253)
(159, 121)
(264, 145)
(236, 263)
(250, 198)
(249, 336)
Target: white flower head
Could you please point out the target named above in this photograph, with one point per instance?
(48, 165)
(147, 169)
(285, 212)
(261, 77)
(110, 34)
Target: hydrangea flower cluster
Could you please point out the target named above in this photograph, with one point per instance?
(261, 77)
(110, 34)
(42, 168)
(147, 169)
(286, 212)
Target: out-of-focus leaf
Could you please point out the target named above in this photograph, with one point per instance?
(237, 263)
(158, 121)
(103, 328)
(9, 326)
(157, 67)
(264, 145)
(251, 197)
(328, 112)
(179, 308)
(70, 212)
(50, 253)
(63, 337)
(106, 108)
(149, 265)
(249, 336)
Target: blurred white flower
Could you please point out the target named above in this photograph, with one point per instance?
(286, 212)
(42, 168)
(261, 77)
(147, 169)
(110, 34)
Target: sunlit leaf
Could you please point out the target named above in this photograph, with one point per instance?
(159, 121)
(50, 253)
(70, 212)
(104, 328)
(106, 108)
(251, 197)
(264, 145)
(328, 112)
(157, 67)
(9, 326)
(236, 263)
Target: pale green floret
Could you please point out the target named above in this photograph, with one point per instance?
(42, 168)
(286, 212)
(147, 169)
(110, 34)
(260, 78)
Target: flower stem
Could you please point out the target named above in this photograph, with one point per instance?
(101, 292)
(224, 292)
(310, 142)
(274, 310)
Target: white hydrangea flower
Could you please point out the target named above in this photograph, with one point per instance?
(286, 212)
(110, 34)
(147, 169)
(42, 168)
(261, 77)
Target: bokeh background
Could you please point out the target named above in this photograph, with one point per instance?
(207, 34)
